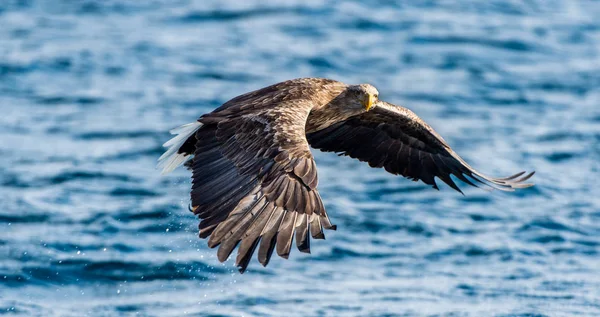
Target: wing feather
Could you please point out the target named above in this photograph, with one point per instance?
(286, 234)
(254, 179)
(395, 138)
(302, 240)
(269, 236)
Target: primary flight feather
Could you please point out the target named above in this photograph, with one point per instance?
(254, 179)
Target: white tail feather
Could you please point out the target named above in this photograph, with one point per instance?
(171, 159)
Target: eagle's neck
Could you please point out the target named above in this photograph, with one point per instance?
(334, 111)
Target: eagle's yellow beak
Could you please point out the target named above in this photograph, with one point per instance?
(369, 101)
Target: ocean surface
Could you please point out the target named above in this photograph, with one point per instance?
(89, 90)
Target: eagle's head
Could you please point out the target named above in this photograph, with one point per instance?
(363, 95)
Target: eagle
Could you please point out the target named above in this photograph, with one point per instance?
(254, 179)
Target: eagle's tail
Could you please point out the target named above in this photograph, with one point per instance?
(179, 148)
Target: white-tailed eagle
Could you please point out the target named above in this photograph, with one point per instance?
(255, 179)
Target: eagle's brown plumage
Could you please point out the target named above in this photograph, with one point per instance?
(255, 179)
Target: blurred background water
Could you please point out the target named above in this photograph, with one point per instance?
(89, 89)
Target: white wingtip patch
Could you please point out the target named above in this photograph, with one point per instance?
(171, 159)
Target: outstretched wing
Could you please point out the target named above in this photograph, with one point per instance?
(255, 180)
(395, 138)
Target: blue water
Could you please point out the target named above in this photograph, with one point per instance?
(89, 89)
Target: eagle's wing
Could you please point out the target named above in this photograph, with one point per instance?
(395, 138)
(255, 180)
